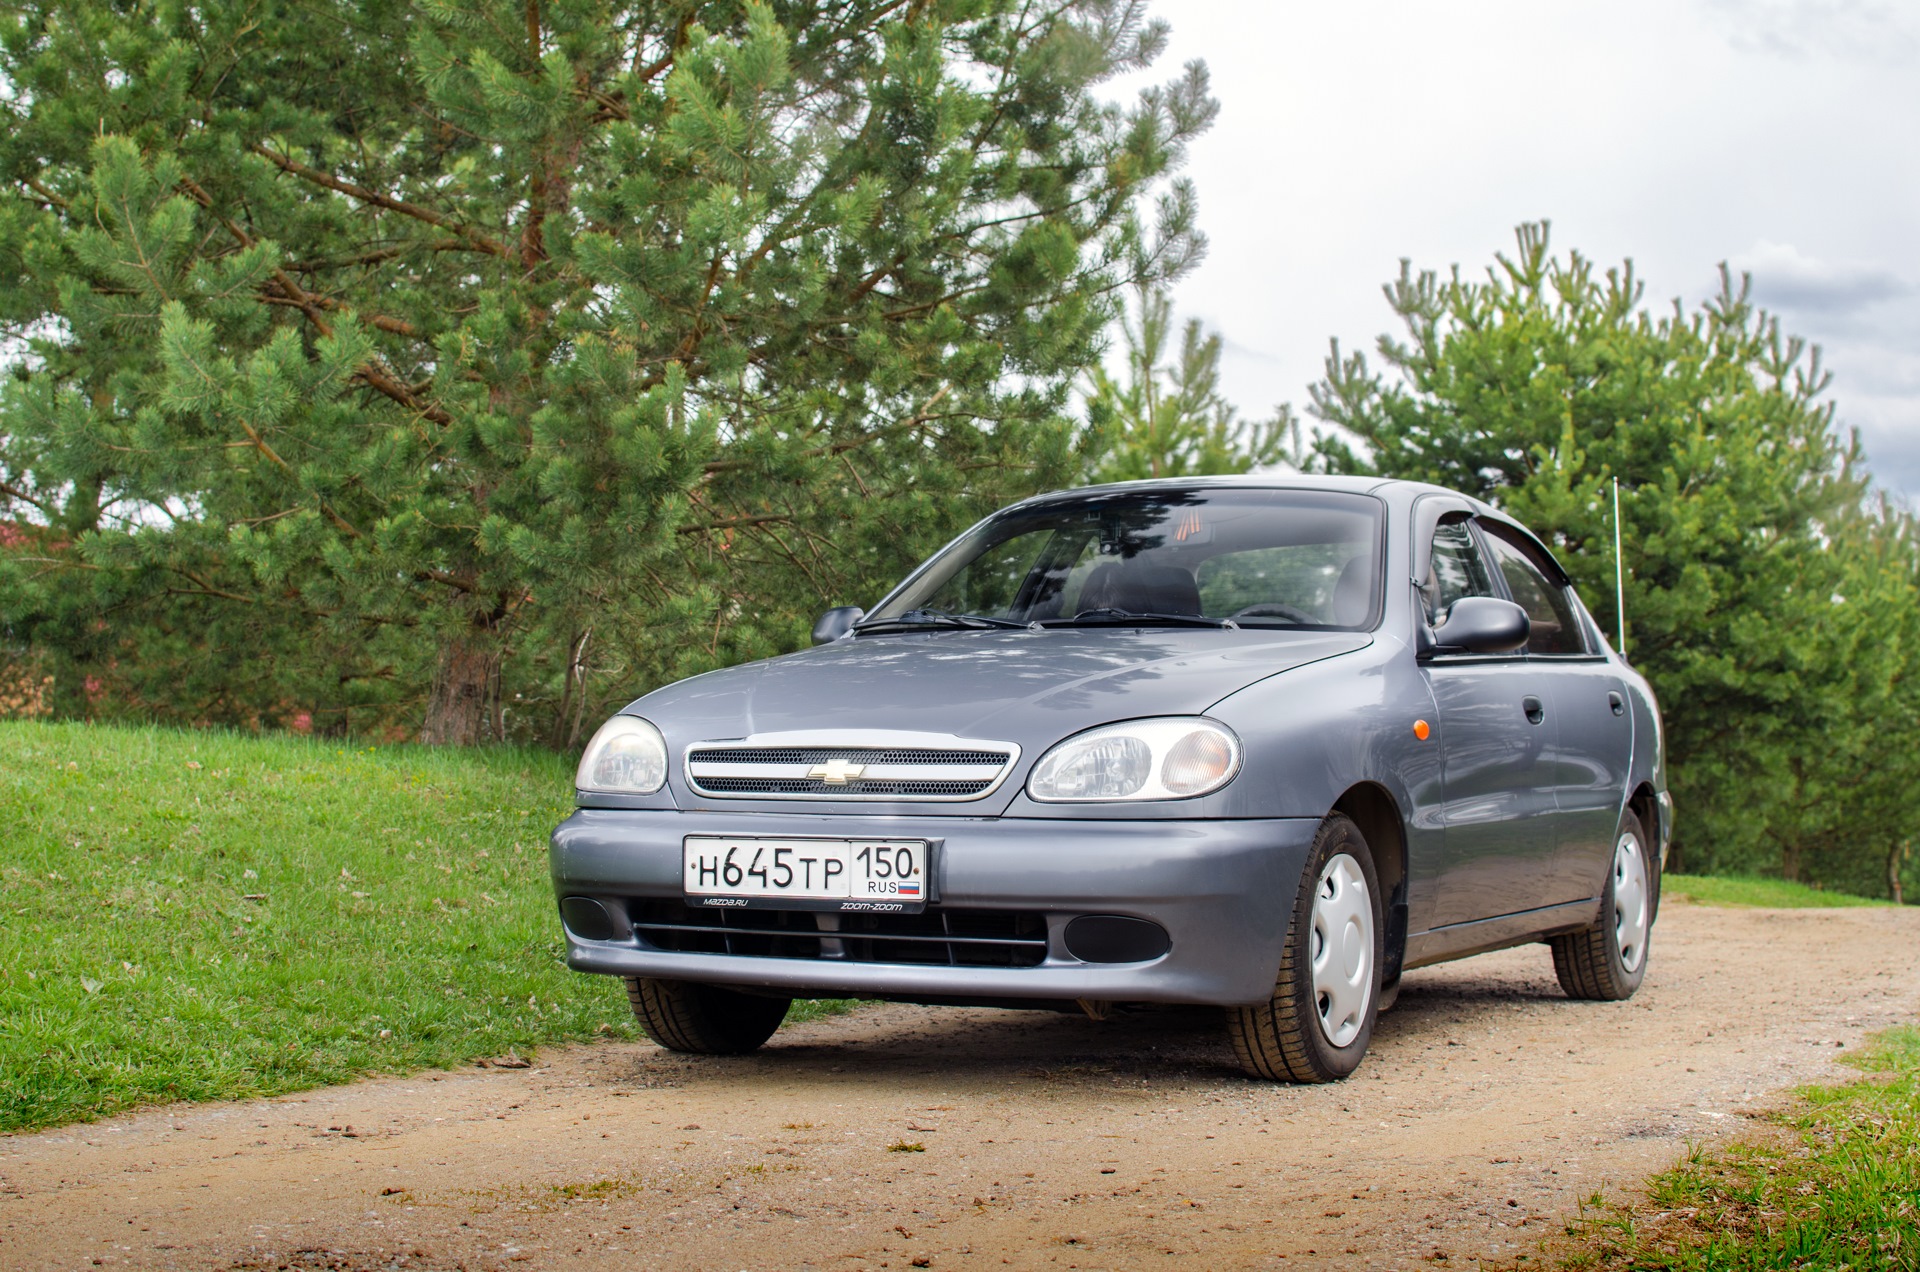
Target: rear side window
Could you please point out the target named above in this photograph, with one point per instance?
(1455, 570)
(1556, 627)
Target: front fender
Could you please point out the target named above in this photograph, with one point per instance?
(1315, 733)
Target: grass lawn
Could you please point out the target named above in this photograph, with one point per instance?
(1839, 1188)
(197, 916)
(1752, 891)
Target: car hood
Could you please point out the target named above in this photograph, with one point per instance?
(1026, 687)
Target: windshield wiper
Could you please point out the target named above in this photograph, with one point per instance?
(940, 618)
(1113, 614)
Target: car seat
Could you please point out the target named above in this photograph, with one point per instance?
(1140, 589)
(1353, 593)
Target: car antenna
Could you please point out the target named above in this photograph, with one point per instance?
(1619, 572)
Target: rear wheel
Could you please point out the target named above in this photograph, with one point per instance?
(704, 1020)
(1317, 1024)
(1608, 961)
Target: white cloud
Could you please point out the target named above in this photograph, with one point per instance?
(1786, 278)
(1849, 30)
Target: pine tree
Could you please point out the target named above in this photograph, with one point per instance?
(413, 359)
(1168, 418)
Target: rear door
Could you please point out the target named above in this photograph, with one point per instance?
(1495, 732)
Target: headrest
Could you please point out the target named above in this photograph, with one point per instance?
(1141, 589)
(1352, 594)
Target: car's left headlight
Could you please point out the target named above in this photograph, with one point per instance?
(1176, 757)
(626, 757)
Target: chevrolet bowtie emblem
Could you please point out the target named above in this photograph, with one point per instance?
(837, 772)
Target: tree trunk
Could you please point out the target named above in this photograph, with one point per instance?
(458, 708)
(566, 722)
(1895, 856)
(77, 647)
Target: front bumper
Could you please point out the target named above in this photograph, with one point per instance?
(1222, 890)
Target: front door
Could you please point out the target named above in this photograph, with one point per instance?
(1586, 700)
(1497, 735)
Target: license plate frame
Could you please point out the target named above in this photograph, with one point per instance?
(723, 895)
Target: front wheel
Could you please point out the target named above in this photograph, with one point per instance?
(1316, 1026)
(705, 1020)
(1608, 961)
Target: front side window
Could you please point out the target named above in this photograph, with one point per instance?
(1262, 558)
(1455, 569)
(1556, 627)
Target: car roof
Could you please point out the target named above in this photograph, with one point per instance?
(1398, 490)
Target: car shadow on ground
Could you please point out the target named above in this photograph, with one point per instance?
(1006, 1050)
(1435, 1004)
(1010, 1051)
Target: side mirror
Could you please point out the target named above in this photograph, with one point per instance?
(836, 622)
(1482, 625)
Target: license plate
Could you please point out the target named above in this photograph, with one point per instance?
(886, 875)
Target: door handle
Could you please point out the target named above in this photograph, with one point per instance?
(1535, 711)
(1618, 703)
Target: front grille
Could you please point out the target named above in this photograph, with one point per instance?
(807, 786)
(939, 937)
(820, 754)
(854, 772)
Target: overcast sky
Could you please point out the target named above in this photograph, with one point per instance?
(1782, 136)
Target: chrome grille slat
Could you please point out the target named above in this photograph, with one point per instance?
(806, 786)
(869, 766)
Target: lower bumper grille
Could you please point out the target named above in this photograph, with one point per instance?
(938, 937)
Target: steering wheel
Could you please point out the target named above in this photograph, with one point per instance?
(1274, 609)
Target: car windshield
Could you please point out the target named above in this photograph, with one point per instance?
(1259, 558)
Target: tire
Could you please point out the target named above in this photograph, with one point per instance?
(704, 1020)
(1317, 1024)
(1607, 962)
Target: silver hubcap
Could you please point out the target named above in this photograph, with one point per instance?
(1342, 949)
(1629, 902)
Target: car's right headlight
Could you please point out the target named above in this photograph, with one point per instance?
(626, 757)
(1174, 757)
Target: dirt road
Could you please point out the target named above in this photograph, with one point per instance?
(904, 1137)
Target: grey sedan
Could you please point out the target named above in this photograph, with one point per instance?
(1265, 743)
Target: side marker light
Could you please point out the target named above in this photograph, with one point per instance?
(1421, 730)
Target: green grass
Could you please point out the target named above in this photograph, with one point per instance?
(1753, 891)
(1839, 1188)
(197, 916)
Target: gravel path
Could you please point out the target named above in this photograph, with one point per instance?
(1489, 1107)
